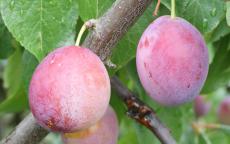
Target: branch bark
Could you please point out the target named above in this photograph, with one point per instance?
(113, 25)
(108, 31)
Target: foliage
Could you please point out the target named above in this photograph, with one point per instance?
(41, 26)
(6, 47)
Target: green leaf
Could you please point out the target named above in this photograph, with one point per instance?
(40, 25)
(12, 72)
(145, 136)
(225, 129)
(204, 139)
(126, 48)
(92, 9)
(204, 14)
(119, 108)
(6, 40)
(14, 103)
(228, 12)
(218, 138)
(16, 98)
(176, 118)
(188, 136)
(222, 30)
(127, 132)
(29, 63)
(219, 69)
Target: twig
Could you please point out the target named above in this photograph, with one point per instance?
(143, 114)
(107, 32)
(199, 126)
(157, 8)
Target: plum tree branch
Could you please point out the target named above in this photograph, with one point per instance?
(143, 114)
(27, 132)
(107, 32)
(113, 25)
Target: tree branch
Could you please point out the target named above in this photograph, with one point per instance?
(108, 31)
(143, 114)
(27, 132)
(113, 25)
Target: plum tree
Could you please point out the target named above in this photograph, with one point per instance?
(105, 131)
(172, 61)
(224, 111)
(201, 107)
(69, 90)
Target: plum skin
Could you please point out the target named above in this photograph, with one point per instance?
(201, 107)
(223, 112)
(104, 132)
(69, 90)
(172, 61)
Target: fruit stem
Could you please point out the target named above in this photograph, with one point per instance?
(173, 10)
(82, 30)
(157, 8)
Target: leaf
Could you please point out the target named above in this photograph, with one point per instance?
(17, 77)
(188, 136)
(92, 9)
(219, 69)
(145, 136)
(228, 12)
(12, 72)
(204, 139)
(40, 25)
(127, 132)
(220, 31)
(126, 48)
(176, 118)
(218, 138)
(6, 40)
(120, 109)
(15, 103)
(204, 14)
(16, 98)
(29, 63)
(225, 129)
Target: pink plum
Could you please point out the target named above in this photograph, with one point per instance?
(172, 61)
(69, 90)
(201, 106)
(104, 132)
(224, 111)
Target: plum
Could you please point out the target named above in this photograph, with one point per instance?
(224, 111)
(69, 90)
(201, 106)
(172, 61)
(104, 132)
